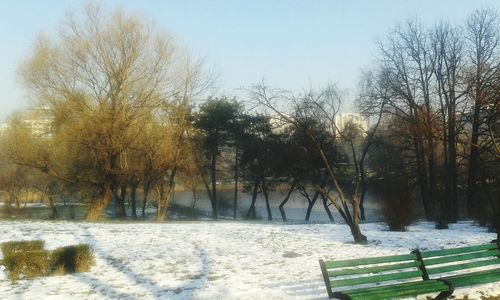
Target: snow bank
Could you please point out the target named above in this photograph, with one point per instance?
(218, 260)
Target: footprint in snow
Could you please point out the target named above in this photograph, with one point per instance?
(291, 254)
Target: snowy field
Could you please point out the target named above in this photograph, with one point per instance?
(218, 260)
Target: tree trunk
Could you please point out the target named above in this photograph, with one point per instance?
(164, 200)
(327, 209)
(355, 230)
(133, 200)
(315, 197)
(353, 221)
(432, 173)
(213, 178)
(18, 206)
(473, 164)
(8, 206)
(422, 180)
(123, 196)
(235, 205)
(160, 191)
(451, 184)
(311, 205)
(195, 198)
(282, 204)
(266, 197)
(362, 167)
(54, 215)
(146, 186)
(357, 235)
(363, 191)
(97, 206)
(251, 209)
(119, 203)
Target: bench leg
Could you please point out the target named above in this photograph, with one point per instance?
(326, 278)
(445, 294)
(341, 296)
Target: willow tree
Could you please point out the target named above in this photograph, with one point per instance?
(101, 79)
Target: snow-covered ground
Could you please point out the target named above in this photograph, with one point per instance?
(218, 260)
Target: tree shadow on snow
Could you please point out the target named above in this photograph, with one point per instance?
(156, 291)
(303, 289)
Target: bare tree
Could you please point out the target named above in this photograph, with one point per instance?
(408, 63)
(483, 49)
(447, 43)
(372, 101)
(324, 106)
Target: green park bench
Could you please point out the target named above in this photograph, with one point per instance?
(439, 271)
(459, 266)
(374, 278)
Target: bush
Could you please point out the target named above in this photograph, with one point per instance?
(28, 263)
(397, 204)
(28, 258)
(71, 259)
(21, 246)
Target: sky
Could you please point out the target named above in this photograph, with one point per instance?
(291, 44)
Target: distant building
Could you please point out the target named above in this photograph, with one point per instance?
(342, 120)
(3, 127)
(36, 120)
(278, 124)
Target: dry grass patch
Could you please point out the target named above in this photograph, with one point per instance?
(28, 259)
(22, 246)
(71, 259)
(29, 264)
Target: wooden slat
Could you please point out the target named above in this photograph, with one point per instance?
(460, 257)
(368, 261)
(376, 269)
(375, 278)
(401, 293)
(475, 274)
(402, 290)
(426, 254)
(469, 265)
(397, 293)
(472, 280)
(405, 285)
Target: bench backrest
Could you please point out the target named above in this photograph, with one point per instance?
(357, 273)
(439, 263)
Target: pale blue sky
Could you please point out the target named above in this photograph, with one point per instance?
(291, 44)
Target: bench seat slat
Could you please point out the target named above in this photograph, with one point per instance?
(396, 294)
(376, 269)
(427, 254)
(375, 278)
(402, 286)
(473, 279)
(460, 257)
(469, 265)
(399, 290)
(479, 273)
(371, 260)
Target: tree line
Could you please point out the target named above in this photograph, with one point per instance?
(119, 96)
